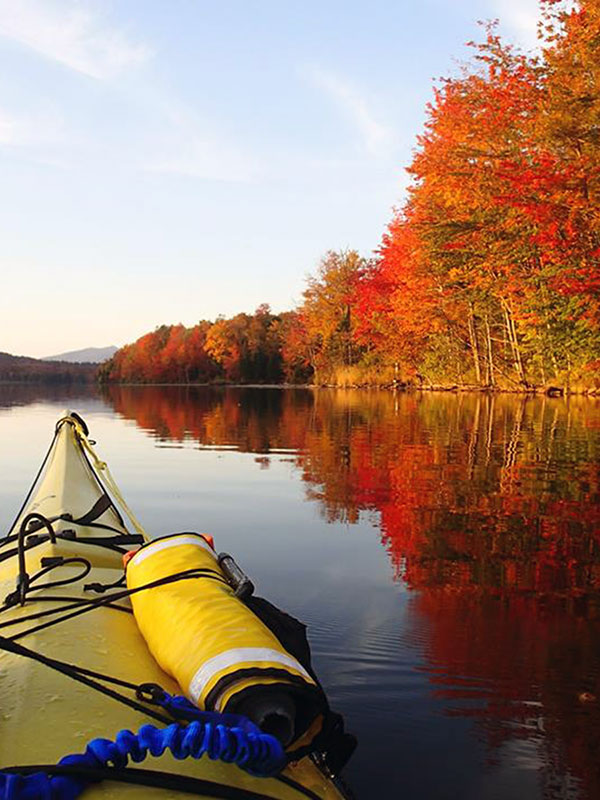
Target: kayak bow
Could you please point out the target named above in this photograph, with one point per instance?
(76, 669)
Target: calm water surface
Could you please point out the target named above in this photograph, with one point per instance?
(444, 551)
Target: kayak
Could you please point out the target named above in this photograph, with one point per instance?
(132, 667)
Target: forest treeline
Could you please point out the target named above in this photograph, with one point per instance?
(21, 369)
(488, 275)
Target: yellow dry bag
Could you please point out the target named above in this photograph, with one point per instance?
(221, 655)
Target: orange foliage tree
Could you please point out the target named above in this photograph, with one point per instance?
(494, 257)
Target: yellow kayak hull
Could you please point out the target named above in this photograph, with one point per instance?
(45, 715)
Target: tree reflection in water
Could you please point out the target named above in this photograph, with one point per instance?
(489, 508)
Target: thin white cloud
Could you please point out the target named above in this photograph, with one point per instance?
(176, 142)
(71, 34)
(376, 137)
(188, 146)
(169, 137)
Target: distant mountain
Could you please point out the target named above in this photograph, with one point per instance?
(19, 369)
(89, 355)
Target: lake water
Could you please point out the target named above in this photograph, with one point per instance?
(444, 551)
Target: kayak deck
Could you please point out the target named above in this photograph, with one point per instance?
(47, 714)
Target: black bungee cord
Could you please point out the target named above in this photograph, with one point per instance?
(76, 609)
(23, 579)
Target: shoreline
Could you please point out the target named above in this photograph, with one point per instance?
(530, 391)
(537, 391)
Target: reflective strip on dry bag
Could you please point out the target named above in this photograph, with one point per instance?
(231, 659)
(172, 541)
(215, 647)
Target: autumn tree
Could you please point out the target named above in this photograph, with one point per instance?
(248, 347)
(568, 130)
(397, 307)
(477, 243)
(328, 312)
(295, 348)
(500, 226)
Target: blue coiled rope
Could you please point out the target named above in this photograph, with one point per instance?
(225, 737)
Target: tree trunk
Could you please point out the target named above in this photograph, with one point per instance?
(474, 345)
(347, 323)
(552, 350)
(490, 355)
(544, 293)
(514, 343)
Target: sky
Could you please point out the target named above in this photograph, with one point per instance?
(165, 162)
